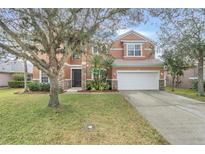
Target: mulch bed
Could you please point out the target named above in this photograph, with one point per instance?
(80, 91)
(98, 91)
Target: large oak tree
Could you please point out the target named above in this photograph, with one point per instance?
(57, 33)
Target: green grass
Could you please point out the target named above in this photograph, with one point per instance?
(186, 92)
(26, 119)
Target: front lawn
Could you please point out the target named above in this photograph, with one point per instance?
(186, 92)
(26, 119)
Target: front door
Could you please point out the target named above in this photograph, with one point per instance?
(76, 78)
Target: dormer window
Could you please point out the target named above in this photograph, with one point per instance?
(134, 49)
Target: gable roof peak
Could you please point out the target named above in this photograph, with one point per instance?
(136, 33)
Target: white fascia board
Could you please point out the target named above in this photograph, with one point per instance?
(133, 41)
(127, 71)
(136, 33)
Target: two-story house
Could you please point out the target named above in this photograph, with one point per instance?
(134, 68)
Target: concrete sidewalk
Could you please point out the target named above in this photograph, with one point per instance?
(179, 119)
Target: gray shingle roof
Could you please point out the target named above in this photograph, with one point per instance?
(14, 66)
(137, 63)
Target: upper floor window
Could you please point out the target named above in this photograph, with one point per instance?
(95, 50)
(44, 78)
(134, 49)
(76, 55)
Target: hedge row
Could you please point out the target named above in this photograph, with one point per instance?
(17, 84)
(33, 86)
(18, 77)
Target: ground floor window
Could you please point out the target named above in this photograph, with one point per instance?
(44, 78)
(29, 77)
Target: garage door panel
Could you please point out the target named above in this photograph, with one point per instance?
(138, 80)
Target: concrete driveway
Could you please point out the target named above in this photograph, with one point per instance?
(179, 119)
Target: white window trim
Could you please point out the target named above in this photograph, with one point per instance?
(134, 41)
(134, 48)
(92, 76)
(40, 74)
(72, 65)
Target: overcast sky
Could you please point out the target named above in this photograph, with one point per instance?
(148, 29)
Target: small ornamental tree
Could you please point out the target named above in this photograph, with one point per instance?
(57, 33)
(186, 27)
(175, 64)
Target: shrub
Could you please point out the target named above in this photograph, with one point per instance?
(104, 86)
(88, 85)
(91, 85)
(16, 84)
(17, 81)
(109, 82)
(44, 87)
(18, 77)
(97, 85)
(33, 86)
(195, 84)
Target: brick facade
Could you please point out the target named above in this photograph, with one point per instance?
(118, 51)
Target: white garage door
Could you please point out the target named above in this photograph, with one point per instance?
(138, 80)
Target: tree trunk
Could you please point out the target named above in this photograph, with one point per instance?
(173, 81)
(25, 76)
(200, 74)
(53, 102)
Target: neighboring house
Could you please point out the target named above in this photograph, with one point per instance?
(186, 80)
(11, 67)
(134, 68)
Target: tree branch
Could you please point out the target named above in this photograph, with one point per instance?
(23, 55)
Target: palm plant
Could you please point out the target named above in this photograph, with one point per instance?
(107, 64)
(101, 66)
